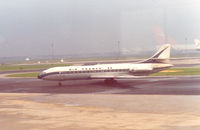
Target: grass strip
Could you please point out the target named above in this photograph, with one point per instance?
(28, 67)
(24, 75)
(178, 72)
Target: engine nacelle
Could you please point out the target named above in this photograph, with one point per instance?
(141, 68)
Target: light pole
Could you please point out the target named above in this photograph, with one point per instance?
(52, 50)
(118, 45)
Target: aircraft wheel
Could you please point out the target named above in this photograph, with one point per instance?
(110, 81)
(59, 84)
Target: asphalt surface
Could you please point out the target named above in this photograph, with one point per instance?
(150, 103)
(183, 85)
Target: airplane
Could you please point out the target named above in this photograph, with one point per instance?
(161, 38)
(187, 47)
(197, 43)
(110, 72)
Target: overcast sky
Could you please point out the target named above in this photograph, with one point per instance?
(29, 27)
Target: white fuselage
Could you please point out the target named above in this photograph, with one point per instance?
(101, 70)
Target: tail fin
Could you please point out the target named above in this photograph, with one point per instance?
(161, 56)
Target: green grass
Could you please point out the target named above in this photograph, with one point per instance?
(28, 67)
(172, 72)
(24, 75)
(179, 72)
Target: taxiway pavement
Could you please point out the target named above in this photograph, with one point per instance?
(170, 85)
(150, 103)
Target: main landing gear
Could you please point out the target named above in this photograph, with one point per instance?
(110, 81)
(59, 84)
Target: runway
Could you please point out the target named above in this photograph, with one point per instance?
(150, 103)
(183, 85)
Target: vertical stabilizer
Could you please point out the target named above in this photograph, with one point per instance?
(161, 56)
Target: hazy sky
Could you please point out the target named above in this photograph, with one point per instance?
(29, 27)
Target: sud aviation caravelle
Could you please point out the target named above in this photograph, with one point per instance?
(111, 72)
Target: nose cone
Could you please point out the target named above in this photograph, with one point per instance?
(41, 75)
